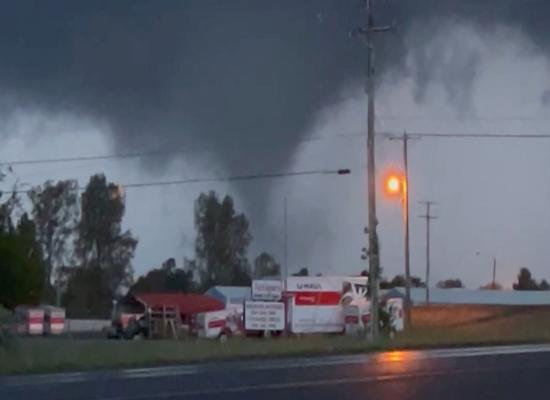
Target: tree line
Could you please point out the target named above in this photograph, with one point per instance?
(71, 248)
(65, 232)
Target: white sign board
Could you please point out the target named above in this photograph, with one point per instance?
(264, 316)
(267, 290)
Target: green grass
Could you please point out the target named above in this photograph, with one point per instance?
(49, 355)
(437, 329)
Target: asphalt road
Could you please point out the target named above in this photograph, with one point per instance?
(490, 373)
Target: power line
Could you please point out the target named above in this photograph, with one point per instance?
(249, 177)
(157, 153)
(464, 120)
(470, 135)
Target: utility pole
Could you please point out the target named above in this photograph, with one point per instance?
(408, 319)
(494, 272)
(286, 243)
(407, 304)
(373, 250)
(428, 217)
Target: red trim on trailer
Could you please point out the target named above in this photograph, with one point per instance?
(217, 323)
(316, 298)
(36, 320)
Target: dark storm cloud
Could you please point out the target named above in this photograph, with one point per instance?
(421, 22)
(172, 73)
(166, 73)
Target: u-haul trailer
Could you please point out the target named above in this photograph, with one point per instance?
(316, 304)
(218, 324)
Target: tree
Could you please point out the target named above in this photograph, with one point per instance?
(7, 209)
(222, 242)
(544, 285)
(265, 265)
(450, 284)
(88, 294)
(21, 274)
(399, 281)
(166, 279)
(302, 272)
(525, 281)
(55, 213)
(101, 242)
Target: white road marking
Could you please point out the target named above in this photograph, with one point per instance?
(45, 379)
(143, 373)
(302, 384)
(158, 372)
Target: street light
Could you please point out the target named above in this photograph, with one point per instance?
(393, 185)
(396, 185)
(340, 171)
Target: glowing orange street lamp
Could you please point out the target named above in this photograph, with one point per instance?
(395, 185)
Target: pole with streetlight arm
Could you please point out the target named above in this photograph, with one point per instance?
(400, 186)
(408, 320)
(341, 171)
(373, 253)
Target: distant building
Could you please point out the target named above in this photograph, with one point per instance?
(472, 296)
(231, 296)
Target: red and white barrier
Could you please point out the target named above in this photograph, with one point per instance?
(29, 320)
(54, 320)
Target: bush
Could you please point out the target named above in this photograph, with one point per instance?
(7, 339)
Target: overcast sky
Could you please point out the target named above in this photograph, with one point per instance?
(250, 84)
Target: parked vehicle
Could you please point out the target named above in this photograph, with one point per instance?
(221, 324)
(316, 304)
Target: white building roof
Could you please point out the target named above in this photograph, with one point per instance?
(473, 296)
(230, 294)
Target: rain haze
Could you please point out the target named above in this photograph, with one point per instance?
(252, 87)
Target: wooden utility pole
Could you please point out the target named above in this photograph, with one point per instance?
(373, 250)
(428, 217)
(494, 272)
(406, 189)
(285, 275)
(408, 319)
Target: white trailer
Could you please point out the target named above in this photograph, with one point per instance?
(218, 324)
(316, 304)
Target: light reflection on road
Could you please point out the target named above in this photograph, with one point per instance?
(395, 362)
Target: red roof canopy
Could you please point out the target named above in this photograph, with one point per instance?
(187, 303)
